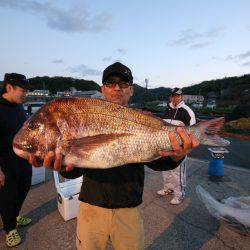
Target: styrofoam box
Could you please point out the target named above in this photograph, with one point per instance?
(67, 196)
(38, 175)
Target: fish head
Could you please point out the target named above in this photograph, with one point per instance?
(38, 135)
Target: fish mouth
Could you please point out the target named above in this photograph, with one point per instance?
(23, 147)
(21, 153)
(17, 146)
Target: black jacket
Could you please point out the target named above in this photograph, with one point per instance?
(12, 117)
(118, 187)
(180, 113)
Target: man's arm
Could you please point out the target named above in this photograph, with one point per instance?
(178, 151)
(172, 159)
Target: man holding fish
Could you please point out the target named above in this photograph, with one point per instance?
(110, 144)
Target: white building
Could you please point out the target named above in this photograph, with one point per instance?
(211, 104)
(79, 93)
(38, 92)
(63, 93)
(89, 94)
(193, 98)
(163, 104)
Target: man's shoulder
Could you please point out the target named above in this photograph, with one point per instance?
(188, 112)
(186, 107)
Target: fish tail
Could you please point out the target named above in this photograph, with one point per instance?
(207, 132)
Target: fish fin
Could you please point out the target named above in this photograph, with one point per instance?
(149, 113)
(88, 143)
(209, 129)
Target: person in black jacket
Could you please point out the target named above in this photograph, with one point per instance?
(177, 113)
(110, 198)
(17, 172)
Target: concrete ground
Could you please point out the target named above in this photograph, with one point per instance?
(187, 226)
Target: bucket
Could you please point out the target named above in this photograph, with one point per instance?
(216, 167)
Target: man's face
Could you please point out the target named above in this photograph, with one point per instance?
(118, 92)
(16, 94)
(176, 99)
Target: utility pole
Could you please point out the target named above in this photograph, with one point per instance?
(146, 82)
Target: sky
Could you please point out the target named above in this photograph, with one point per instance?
(172, 43)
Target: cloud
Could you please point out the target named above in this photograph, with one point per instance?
(239, 57)
(246, 63)
(71, 20)
(195, 39)
(83, 70)
(107, 59)
(215, 58)
(122, 51)
(186, 36)
(200, 45)
(58, 61)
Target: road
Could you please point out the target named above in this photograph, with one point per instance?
(239, 153)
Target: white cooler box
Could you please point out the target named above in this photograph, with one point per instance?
(38, 175)
(67, 196)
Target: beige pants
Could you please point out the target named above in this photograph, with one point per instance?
(95, 225)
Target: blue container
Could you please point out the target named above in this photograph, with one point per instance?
(216, 166)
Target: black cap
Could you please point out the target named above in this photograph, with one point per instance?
(117, 69)
(176, 91)
(17, 80)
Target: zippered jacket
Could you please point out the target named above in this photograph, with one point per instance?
(180, 113)
(118, 187)
(12, 117)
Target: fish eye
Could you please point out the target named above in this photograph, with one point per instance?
(32, 125)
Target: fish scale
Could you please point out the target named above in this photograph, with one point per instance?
(94, 133)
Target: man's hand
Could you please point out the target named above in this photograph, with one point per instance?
(2, 178)
(179, 151)
(51, 161)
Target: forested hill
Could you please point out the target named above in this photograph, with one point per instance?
(59, 83)
(229, 89)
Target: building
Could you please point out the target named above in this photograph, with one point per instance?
(79, 93)
(194, 100)
(88, 94)
(38, 92)
(63, 94)
(211, 103)
(163, 104)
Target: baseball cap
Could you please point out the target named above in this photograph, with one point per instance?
(17, 80)
(176, 91)
(117, 69)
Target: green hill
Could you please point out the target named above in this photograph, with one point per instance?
(228, 91)
(59, 83)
